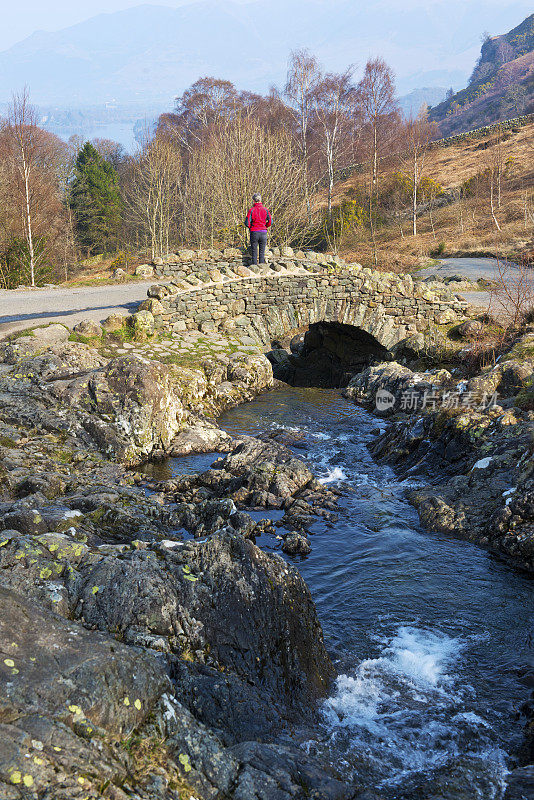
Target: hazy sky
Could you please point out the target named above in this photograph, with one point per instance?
(20, 18)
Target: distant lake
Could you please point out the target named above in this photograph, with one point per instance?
(122, 132)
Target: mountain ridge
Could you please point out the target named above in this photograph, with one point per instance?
(152, 52)
(501, 85)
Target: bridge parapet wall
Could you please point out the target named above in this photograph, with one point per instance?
(231, 261)
(387, 306)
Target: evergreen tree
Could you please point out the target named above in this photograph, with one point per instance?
(95, 200)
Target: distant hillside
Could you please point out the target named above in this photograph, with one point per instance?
(429, 95)
(501, 86)
(148, 54)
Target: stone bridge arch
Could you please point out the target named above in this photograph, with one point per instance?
(384, 306)
(283, 319)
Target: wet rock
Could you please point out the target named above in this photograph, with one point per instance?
(437, 515)
(296, 344)
(520, 784)
(267, 467)
(280, 773)
(283, 366)
(200, 437)
(382, 388)
(295, 439)
(225, 602)
(296, 544)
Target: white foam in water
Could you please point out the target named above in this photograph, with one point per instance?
(334, 474)
(404, 711)
(414, 658)
(323, 437)
(423, 655)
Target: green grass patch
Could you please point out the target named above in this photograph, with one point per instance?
(520, 352)
(93, 341)
(18, 334)
(64, 456)
(124, 334)
(105, 281)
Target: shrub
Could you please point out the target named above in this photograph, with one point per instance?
(439, 250)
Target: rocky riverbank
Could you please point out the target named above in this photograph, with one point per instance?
(465, 447)
(468, 443)
(149, 648)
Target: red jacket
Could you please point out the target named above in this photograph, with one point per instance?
(258, 218)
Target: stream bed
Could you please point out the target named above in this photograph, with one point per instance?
(429, 634)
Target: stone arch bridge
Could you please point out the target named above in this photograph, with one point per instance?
(288, 295)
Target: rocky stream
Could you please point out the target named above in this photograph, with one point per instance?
(217, 585)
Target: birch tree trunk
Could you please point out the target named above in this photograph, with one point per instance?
(414, 196)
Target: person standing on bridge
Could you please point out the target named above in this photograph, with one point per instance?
(258, 221)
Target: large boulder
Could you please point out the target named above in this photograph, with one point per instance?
(115, 322)
(267, 468)
(34, 341)
(63, 689)
(155, 307)
(143, 325)
(158, 291)
(223, 603)
(138, 405)
(385, 388)
(51, 334)
(88, 328)
(144, 271)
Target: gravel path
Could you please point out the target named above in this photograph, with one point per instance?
(472, 268)
(24, 308)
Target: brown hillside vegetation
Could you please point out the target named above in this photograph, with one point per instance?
(476, 196)
(501, 86)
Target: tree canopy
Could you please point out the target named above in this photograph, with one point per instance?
(95, 200)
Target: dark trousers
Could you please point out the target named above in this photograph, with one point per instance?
(258, 239)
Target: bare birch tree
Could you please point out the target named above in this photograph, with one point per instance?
(418, 133)
(334, 104)
(238, 158)
(376, 97)
(152, 197)
(303, 76)
(33, 213)
(26, 139)
(494, 162)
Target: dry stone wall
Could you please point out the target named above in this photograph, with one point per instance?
(290, 294)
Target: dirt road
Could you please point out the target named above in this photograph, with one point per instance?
(25, 308)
